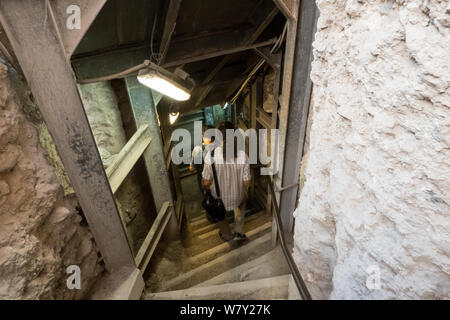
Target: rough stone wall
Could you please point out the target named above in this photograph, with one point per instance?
(376, 178)
(40, 231)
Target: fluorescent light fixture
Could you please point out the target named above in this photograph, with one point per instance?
(164, 82)
(173, 117)
(226, 105)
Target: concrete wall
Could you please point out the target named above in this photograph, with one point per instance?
(376, 173)
(40, 230)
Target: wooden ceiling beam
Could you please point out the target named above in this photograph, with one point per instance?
(224, 50)
(105, 62)
(249, 39)
(62, 12)
(287, 8)
(268, 57)
(169, 28)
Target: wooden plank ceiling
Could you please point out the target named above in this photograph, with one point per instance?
(213, 41)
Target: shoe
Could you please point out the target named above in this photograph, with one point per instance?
(239, 237)
(222, 237)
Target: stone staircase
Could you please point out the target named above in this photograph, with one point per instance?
(213, 269)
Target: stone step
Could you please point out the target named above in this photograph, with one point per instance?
(213, 267)
(202, 221)
(203, 232)
(261, 289)
(269, 265)
(197, 245)
(223, 247)
(197, 218)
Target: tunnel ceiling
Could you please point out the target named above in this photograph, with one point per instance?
(121, 37)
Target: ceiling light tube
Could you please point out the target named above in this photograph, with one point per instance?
(165, 82)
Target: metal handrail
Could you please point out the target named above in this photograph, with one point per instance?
(299, 282)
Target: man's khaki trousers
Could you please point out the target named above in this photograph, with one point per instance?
(239, 216)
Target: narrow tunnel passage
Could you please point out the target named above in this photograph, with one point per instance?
(343, 188)
(235, 66)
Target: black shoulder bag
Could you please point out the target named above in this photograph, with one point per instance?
(215, 210)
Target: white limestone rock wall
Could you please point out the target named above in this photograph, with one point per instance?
(40, 230)
(376, 172)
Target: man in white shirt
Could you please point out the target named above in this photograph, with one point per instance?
(233, 179)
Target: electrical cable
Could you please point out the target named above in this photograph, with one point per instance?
(274, 48)
(121, 74)
(156, 57)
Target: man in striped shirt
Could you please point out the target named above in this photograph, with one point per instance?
(233, 180)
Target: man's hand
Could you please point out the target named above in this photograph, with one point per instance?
(207, 183)
(191, 168)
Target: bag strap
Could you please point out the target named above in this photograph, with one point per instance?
(216, 182)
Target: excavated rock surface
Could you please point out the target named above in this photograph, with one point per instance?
(40, 231)
(376, 193)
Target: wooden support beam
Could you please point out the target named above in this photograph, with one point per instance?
(115, 60)
(298, 111)
(225, 50)
(182, 215)
(242, 125)
(268, 57)
(42, 56)
(233, 87)
(287, 8)
(283, 113)
(202, 95)
(154, 235)
(88, 11)
(127, 157)
(144, 112)
(169, 158)
(256, 101)
(169, 28)
(163, 112)
(264, 119)
(276, 92)
(249, 39)
(267, 19)
(202, 91)
(179, 210)
(167, 148)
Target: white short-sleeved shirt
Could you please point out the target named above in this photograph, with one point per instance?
(231, 177)
(197, 155)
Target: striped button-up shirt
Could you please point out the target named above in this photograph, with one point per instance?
(231, 177)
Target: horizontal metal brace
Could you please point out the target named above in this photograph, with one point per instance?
(287, 187)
